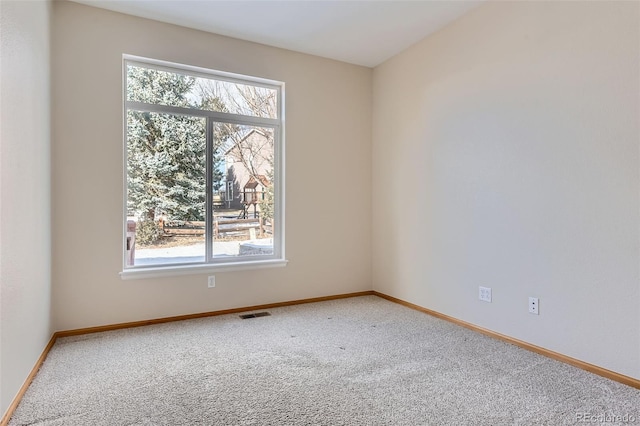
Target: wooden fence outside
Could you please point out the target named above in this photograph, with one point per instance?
(222, 228)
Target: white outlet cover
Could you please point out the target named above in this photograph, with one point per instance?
(534, 306)
(211, 281)
(484, 294)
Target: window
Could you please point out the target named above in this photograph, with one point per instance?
(203, 169)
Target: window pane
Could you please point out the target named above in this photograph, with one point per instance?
(160, 87)
(166, 157)
(243, 210)
(200, 170)
(223, 96)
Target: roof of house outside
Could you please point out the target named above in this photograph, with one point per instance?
(252, 183)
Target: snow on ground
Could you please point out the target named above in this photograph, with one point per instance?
(230, 248)
(185, 254)
(196, 252)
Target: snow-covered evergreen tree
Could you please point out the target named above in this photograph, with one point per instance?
(166, 153)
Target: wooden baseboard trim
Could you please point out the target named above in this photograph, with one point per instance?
(14, 404)
(629, 381)
(124, 325)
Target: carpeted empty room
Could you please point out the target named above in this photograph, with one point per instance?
(427, 208)
(354, 361)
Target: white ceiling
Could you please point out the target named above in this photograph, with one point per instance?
(361, 32)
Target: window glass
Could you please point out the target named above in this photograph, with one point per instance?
(156, 86)
(247, 153)
(202, 168)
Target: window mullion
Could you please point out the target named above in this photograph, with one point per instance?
(223, 117)
(278, 189)
(208, 211)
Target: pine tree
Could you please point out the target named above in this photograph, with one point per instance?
(166, 153)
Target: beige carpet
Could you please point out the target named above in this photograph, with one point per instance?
(358, 361)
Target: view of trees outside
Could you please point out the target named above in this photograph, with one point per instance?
(166, 153)
(257, 157)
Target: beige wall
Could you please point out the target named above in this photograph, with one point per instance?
(505, 154)
(328, 153)
(25, 232)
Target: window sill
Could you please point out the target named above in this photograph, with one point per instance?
(171, 271)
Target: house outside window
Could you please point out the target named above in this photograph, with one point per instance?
(204, 169)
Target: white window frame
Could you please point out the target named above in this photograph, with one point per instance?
(211, 264)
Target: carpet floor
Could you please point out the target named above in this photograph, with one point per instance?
(356, 361)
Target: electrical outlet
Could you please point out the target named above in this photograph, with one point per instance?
(211, 282)
(533, 305)
(485, 294)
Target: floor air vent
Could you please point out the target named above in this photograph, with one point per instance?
(256, 315)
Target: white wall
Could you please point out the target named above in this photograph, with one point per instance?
(328, 150)
(25, 240)
(505, 154)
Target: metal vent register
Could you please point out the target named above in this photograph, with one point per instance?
(255, 315)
